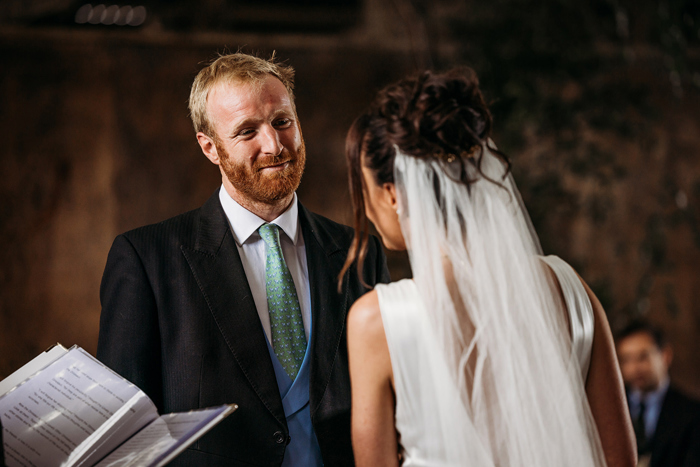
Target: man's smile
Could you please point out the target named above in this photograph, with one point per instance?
(276, 167)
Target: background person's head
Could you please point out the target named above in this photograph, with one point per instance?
(242, 108)
(429, 115)
(644, 356)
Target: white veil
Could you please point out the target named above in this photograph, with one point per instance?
(505, 390)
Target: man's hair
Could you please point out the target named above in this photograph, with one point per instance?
(232, 68)
(645, 327)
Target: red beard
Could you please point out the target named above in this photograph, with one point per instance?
(259, 186)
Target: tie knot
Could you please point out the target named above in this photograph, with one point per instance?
(270, 234)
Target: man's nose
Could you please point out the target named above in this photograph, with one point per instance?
(271, 143)
(636, 368)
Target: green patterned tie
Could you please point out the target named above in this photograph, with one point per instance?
(288, 338)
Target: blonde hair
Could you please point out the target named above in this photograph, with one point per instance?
(235, 67)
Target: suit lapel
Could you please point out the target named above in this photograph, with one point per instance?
(219, 272)
(328, 307)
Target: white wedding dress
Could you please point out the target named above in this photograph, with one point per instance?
(403, 315)
(485, 371)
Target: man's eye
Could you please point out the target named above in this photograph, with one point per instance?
(245, 132)
(283, 122)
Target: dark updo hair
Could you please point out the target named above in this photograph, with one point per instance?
(429, 116)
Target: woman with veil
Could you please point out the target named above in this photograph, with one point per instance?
(492, 355)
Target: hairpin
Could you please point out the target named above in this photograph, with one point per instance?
(449, 157)
(471, 153)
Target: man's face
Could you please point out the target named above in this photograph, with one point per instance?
(644, 366)
(258, 140)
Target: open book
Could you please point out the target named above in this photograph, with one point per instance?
(66, 408)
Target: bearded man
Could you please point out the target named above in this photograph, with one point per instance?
(237, 302)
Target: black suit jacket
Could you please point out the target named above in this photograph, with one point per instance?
(676, 441)
(179, 321)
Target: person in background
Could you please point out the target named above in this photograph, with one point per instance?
(666, 422)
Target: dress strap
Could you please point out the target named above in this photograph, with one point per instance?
(580, 310)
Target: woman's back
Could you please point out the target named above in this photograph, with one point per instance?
(484, 373)
(409, 337)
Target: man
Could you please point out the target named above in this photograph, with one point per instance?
(666, 422)
(237, 301)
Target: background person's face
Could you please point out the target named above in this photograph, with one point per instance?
(258, 139)
(644, 366)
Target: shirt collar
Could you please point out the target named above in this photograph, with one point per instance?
(244, 223)
(650, 398)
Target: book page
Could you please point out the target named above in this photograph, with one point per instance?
(52, 414)
(165, 437)
(138, 412)
(39, 362)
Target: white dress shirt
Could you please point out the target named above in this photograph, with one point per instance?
(251, 247)
(653, 401)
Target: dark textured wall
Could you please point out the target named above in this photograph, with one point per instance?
(598, 104)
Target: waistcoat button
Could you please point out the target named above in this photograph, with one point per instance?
(279, 437)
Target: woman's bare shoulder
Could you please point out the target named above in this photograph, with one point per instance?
(364, 317)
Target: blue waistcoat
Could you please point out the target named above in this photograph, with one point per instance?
(303, 449)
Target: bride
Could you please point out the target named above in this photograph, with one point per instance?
(492, 355)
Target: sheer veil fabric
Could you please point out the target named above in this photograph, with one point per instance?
(504, 388)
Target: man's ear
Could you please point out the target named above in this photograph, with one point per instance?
(389, 190)
(208, 148)
(667, 354)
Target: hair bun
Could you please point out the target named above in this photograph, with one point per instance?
(436, 113)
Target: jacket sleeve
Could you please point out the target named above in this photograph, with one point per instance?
(129, 338)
